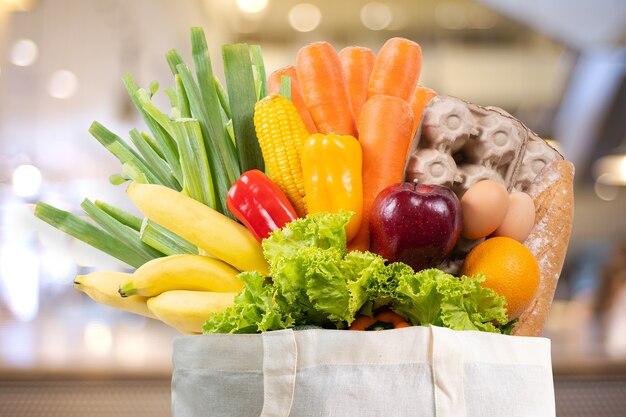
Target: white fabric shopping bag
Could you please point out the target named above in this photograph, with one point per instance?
(414, 371)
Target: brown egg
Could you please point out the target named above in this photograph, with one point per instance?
(519, 219)
(484, 206)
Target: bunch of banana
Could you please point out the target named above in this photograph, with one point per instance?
(181, 290)
(210, 230)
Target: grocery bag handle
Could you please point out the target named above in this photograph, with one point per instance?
(448, 367)
(280, 357)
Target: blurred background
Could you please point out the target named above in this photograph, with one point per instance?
(558, 66)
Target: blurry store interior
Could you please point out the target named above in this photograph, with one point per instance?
(559, 66)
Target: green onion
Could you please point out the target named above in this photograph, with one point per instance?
(120, 231)
(88, 233)
(174, 60)
(159, 167)
(150, 233)
(222, 95)
(123, 152)
(285, 86)
(183, 101)
(157, 115)
(130, 220)
(166, 143)
(173, 98)
(213, 133)
(208, 107)
(134, 173)
(165, 241)
(230, 130)
(208, 93)
(197, 181)
(118, 179)
(258, 69)
(242, 98)
(153, 144)
(171, 95)
(153, 87)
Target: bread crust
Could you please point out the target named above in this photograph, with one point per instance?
(553, 195)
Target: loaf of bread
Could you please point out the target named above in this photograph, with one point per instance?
(553, 195)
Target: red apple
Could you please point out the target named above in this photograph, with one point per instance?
(417, 224)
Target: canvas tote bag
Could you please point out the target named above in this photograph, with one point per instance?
(414, 371)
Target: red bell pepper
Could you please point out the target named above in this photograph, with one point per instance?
(259, 204)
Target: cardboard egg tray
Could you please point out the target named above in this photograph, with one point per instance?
(460, 143)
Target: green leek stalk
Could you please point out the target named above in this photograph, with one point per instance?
(119, 231)
(90, 234)
(258, 68)
(242, 98)
(165, 143)
(135, 166)
(159, 167)
(197, 180)
(285, 87)
(165, 241)
(130, 220)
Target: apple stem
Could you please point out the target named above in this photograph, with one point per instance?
(414, 184)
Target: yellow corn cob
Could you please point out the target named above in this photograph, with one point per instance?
(281, 134)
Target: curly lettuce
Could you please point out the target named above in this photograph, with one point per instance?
(435, 297)
(315, 281)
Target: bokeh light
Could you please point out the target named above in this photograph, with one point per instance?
(305, 17)
(63, 84)
(24, 53)
(26, 180)
(376, 16)
(98, 338)
(252, 6)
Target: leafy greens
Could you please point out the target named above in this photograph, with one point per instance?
(315, 281)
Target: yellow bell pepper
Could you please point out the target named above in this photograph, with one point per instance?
(332, 176)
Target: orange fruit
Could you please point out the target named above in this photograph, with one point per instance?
(510, 270)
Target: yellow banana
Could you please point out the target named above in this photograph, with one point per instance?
(103, 288)
(201, 225)
(181, 272)
(187, 311)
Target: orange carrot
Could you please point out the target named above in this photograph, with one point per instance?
(324, 89)
(397, 69)
(419, 100)
(357, 63)
(385, 127)
(381, 321)
(273, 86)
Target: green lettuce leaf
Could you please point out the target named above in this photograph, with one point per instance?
(434, 297)
(320, 230)
(326, 287)
(475, 308)
(361, 268)
(254, 309)
(314, 281)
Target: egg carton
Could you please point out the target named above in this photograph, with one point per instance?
(460, 143)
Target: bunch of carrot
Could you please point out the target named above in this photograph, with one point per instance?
(375, 98)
